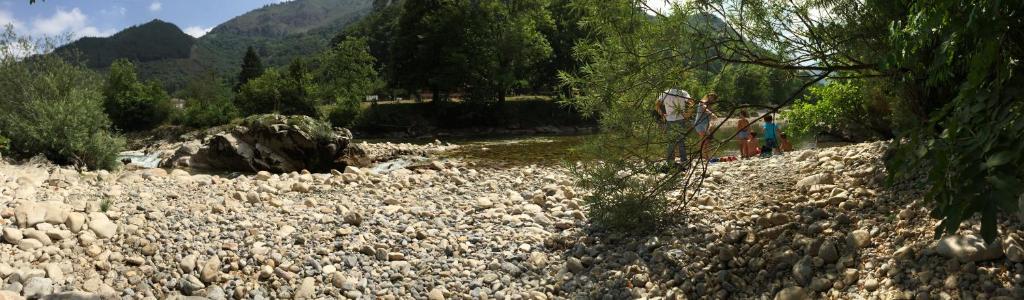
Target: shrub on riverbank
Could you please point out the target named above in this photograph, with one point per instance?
(133, 105)
(288, 92)
(852, 109)
(51, 107)
(208, 103)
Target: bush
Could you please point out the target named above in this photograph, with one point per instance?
(347, 73)
(854, 110)
(208, 103)
(344, 115)
(51, 107)
(133, 105)
(623, 202)
(276, 92)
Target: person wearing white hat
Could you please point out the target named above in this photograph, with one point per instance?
(672, 105)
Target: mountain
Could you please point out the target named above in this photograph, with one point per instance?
(156, 40)
(280, 32)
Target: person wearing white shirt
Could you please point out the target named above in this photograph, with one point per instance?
(672, 106)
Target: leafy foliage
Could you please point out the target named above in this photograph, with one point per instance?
(738, 84)
(954, 67)
(504, 46)
(963, 73)
(346, 73)
(621, 196)
(52, 107)
(485, 47)
(4, 144)
(749, 52)
(133, 105)
(378, 29)
(843, 108)
(208, 102)
(344, 114)
(289, 92)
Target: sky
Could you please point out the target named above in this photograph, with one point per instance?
(100, 18)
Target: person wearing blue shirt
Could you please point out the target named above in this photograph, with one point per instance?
(771, 136)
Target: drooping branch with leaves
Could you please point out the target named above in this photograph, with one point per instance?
(955, 68)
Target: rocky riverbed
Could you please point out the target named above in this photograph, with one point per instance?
(811, 224)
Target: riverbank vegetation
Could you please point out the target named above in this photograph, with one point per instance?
(940, 77)
(953, 107)
(52, 107)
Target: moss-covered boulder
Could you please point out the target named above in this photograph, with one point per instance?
(275, 143)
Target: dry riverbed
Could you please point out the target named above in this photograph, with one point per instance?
(811, 224)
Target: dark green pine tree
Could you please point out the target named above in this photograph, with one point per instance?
(252, 67)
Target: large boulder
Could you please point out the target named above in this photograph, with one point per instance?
(275, 143)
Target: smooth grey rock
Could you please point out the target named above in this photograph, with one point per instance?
(37, 287)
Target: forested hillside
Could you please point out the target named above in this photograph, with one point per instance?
(279, 32)
(155, 40)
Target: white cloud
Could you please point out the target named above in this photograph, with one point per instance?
(114, 10)
(63, 21)
(6, 18)
(155, 6)
(197, 31)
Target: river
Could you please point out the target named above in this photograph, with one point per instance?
(556, 149)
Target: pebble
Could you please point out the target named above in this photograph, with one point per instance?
(455, 230)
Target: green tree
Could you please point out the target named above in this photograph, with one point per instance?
(133, 105)
(252, 67)
(52, 107)
(563, 34)
(378, 29)
(208, 102)
(486, 47)
(347, 75)
(504, 45)
(428, 50)
(290, 92)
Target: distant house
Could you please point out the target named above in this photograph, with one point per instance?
(178, 103)
(372, 98)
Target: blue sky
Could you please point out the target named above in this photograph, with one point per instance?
(106, 17)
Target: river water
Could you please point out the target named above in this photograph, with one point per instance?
(552, 150)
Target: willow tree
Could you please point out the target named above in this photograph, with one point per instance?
(957, 63)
